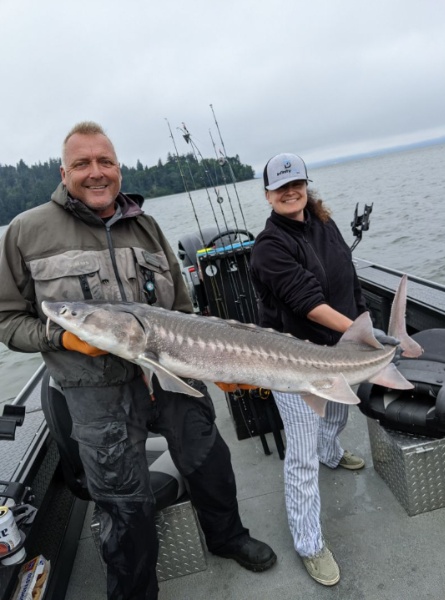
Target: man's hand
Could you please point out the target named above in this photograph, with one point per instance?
(232, 387)
(72, 342)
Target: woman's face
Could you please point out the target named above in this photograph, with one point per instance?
(289, 200)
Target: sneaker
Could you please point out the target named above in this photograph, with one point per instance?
(322, 567)
(249, 553)
(351, 462)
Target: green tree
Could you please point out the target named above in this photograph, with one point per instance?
(23, 187)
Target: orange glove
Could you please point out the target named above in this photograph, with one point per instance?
(72, 342)
(232, 387)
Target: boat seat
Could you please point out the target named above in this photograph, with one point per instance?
(166, 482)
(421, 410)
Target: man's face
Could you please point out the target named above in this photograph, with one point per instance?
(91, 173)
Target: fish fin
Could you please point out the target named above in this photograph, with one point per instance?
(168, 380)
(397, 323)
(317, 403)
(392, 378)
(148, 378)
(336, 389)
(361, 332)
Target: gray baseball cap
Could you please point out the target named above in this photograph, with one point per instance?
(282, 169)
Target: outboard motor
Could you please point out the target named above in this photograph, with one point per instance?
(420, 410)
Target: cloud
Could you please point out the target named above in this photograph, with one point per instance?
(314, 78)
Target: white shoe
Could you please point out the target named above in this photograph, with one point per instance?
(322, 567)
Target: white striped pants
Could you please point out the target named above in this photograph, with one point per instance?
(310, 439)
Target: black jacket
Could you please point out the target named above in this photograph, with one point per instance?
(297, 266)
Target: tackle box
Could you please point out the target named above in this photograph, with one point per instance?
(412, 466)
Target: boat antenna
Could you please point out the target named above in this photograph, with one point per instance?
(178, 158)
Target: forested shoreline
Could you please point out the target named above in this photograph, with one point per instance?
(22, 187)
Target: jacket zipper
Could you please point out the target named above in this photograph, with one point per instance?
(113, 262)
(85, 287)
(324, 273)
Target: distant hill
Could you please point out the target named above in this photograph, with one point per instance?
(378, 152)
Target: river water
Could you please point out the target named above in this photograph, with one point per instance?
(407, 190)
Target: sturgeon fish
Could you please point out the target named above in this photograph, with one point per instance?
(175, 345)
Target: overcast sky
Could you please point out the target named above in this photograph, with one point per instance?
(321, 78)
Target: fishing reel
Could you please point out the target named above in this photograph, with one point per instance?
(254, 393)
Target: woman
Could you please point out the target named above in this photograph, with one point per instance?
(306, 283)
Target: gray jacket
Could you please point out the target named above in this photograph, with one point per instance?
(63, 251)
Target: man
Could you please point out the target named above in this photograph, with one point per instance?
(93, 242)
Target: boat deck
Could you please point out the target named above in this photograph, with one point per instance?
(383, 553)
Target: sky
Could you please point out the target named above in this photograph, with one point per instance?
(320, 78)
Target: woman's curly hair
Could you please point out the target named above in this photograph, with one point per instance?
(316, 206)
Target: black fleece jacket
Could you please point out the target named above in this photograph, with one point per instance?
(295, 267)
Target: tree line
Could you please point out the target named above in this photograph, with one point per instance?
(22, 187)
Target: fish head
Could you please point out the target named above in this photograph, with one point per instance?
(99, 324)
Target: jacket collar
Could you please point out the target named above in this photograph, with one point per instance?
(128, 206)
(290, 224)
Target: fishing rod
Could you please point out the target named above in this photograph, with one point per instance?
(185, 182)
(250, 298)
(232, 174)
(224, 159)
(243, 301)
(221, 161)
(218, 291)
(186, 187)
(203, 164)
(245, 399)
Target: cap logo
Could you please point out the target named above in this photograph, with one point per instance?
(287, 164)
(283, 168)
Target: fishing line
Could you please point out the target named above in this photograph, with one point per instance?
(245, 302)
(202, 164)
(225, 158)
(185, 183)
(217, 295)
(219, 298)
(221, 161)
(232, 175)
(245, 398)
(240, 397)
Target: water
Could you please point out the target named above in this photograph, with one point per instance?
(407, 220)
(406, 233)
